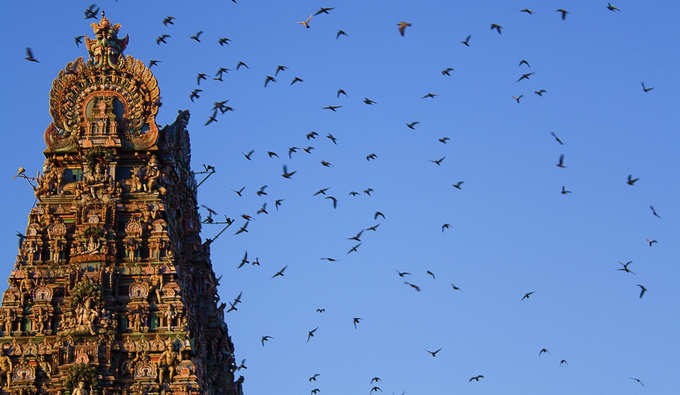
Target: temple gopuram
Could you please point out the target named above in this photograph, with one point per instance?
(113, 291)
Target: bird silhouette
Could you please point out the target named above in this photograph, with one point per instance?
(313, 378)
(651, 242)
(564, 190)
(528, 11)
(340, 33)
(169, 20)
(335, 201)
(447, 71)
(560, 162)
(525, 76)
(306, 22)
(241, 64)
(280, 272)
(444, 140)
(524, 62)
(341, 92)
(417, 288)
(610, 7)
(197, 37)
(642, 290)
(466, 42)
(249, 154)
(543, 351)
(435, 352)
(624, 267)
(412, 125)
(645, 88)
(332, 108)
(268, 80)
(476, 378)
(310, 334)
(355, 321)
(556, 138)
(223, 40)
(654, 212)
(496, 27)
(323, 10)
(631, 181)
(527, 295)
(78, 40)
(296, 79)
(458, 185)
(540, 92)
(518, 98)
(265, 339)
(563, 13)
(29, 56)
(439, 161)
(402, 27)
(161, 39)
(286, 174)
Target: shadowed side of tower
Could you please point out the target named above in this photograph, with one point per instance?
(112, 291)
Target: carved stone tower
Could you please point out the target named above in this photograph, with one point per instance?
(113, 291)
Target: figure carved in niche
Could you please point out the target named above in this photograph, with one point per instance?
(166, 364)
(80, 389)
(25, 288)
(157, 283)
(6, 369)
(45, 366)
(136, 180)
(152, 174)
(86, 315)
(97, 180)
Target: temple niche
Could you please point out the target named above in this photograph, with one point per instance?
(112, 291)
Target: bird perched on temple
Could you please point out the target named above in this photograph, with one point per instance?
(29, 56)
(402, 27)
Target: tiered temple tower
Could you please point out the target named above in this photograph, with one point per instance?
(113, 291)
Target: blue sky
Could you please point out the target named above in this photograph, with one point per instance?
(512, 231)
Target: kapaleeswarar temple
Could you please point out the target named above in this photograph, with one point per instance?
(113, 291)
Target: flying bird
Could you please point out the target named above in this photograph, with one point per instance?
(311, 333)
(610, 7)
(402, 27)
(335, 201)
(645, 89)
(528, 11)
(378, 214)
(313, 378)
(332, 108)
(368, 101)
(169, 20)
(197, 37)
(496, 27)
(417, 288)
(527, 295)
(305, 23)
(249, 154)
(564, 190)
(518, 98)
(29, 56)
(447, 71)
(280, 272)
(525, 76)
(412, 125)
(631, 181)
(223, 40)
(296, 79)
(563, 13)
(323, 10)
(560, 162)
(268, 80)
(524, 62)
(654, 212)
(91, 11)
(265, 339)
(540, 92)
(642, 290)
(434, 353)
(431, 274)
(651, 242)
(458, 185)
(466, 42)
(354, 248)
(543, 351)
(446, 226)
(356, 321)
(624, 267)
(439, 161)
(161, 39)
(476, 378)
(286, 174)
(341, 92)
(556, 138)
(444, 140)
(340, 33)
(78, 40)
(241, 64)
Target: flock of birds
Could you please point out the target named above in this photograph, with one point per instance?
(221, 107)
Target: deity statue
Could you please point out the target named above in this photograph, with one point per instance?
(106, 47)
(166, 363)
(6, 369)
(80, 389)
(86, 316)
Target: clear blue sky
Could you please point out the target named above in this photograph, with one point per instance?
(512, 231)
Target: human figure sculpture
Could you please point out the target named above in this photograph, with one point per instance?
(80, 389)
(6, 370)
(166, 363)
